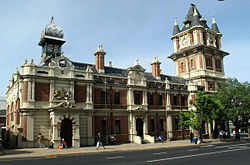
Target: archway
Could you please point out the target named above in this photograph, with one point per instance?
(66, 131)
(139, 127)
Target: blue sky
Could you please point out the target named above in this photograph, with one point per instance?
(128, 30)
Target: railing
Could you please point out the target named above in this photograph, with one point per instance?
(108, 106)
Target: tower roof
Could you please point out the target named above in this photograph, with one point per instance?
(176, 27)
(214, 26)
(192, 19)
(52, 30)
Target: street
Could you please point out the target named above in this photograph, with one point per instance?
(229, 154)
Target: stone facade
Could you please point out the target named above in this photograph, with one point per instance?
(61, 98)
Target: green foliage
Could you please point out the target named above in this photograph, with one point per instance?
(207, 109)
(235, 98)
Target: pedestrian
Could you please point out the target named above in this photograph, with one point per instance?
(191, 136)
(221, 134)
(1, 146)
(99, 142)
(195, 140)
(40, 140)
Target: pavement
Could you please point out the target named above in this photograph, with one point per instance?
(50, 153)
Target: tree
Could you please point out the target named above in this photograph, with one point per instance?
(235, 97)
(207, 109)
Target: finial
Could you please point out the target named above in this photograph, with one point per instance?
(213, 21)
(195, 12)
(32, 61)
(110, 64)
(99, 47)
(52, 20)
(136, 62)
(175, 21)
(62, 53)
(25, 62)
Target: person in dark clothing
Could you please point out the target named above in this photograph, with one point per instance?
(99, 142)
(1, 146)
(191, 136)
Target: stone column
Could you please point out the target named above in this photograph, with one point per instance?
(72, 86)
(33, 90)
(52, 89)
(169, 127)
(29, 89)
(90, 138)
(76, 136)
(30, 127)
(145, 125)
(145, 98)
(130, 98)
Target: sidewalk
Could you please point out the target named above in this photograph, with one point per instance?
(50, 153)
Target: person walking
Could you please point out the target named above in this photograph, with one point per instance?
(1, 146)
(191, 136)
(40, 139)
(99, 142)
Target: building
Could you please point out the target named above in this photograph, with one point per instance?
(61, 98)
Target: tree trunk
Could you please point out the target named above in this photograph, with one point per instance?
(237, 127)
(201, 129)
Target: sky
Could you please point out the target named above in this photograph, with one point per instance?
(127, 29)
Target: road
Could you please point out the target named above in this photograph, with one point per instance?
(229, 154)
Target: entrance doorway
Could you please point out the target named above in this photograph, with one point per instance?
(139, 127)
(66, 131)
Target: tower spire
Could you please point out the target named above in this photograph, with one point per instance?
(196, 19)
(214, 26)
(52, 20)
(176, 27)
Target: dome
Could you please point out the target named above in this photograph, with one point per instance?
(52, 30)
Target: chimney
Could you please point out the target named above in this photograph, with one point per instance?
(156, 71)
(99, 59)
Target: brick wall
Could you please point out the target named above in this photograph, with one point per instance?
(80, 93)
(42, 91)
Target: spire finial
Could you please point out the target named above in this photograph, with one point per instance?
(213, 21)
(52, 20)
(136, 62)
(99, 47)
(175, 21)
(195, 12)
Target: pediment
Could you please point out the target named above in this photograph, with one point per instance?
(137, 68)
(61, 62)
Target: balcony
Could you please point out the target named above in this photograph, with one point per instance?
(108, 106)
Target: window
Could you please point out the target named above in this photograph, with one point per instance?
(182, 67)
(160, 100)
(137, 98)
(161, 128)
(192, 63)
(209, 62)
(104, 127)
(176, 122)
(152, 125)
(117, 126)
(103, 97)
(150, 99)
(117, 98)
(50, 48)
(175, 100)
(218, 64)
(183, 100)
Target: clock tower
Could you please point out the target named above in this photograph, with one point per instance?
(51, 41)
(197, 51)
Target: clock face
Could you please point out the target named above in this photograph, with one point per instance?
(211, 41)
(184, 42)
(62, 63)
